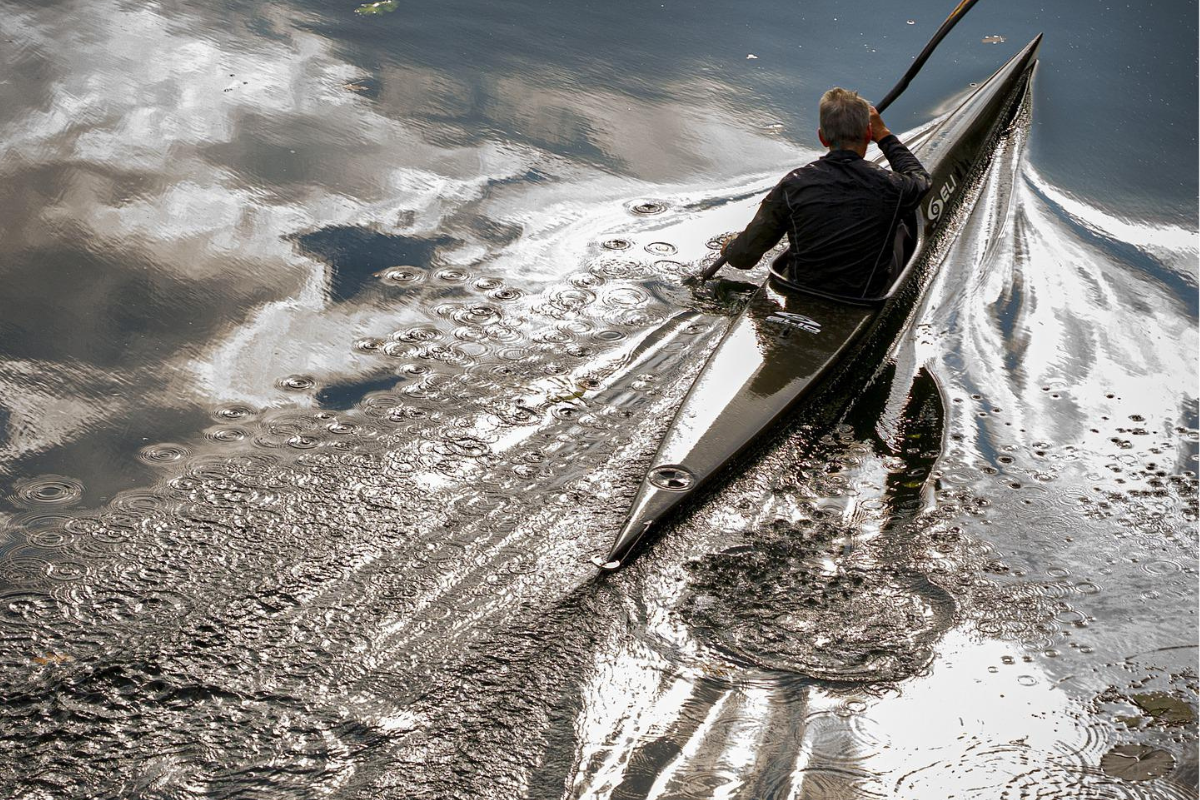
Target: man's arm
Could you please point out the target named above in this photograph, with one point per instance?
(909, 176)
(764, 232)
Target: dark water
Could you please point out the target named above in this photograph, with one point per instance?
(332, 346)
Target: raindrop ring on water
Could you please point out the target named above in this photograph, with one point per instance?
(232, 412)
(617, 244)
(401, 276)
(165, 453)
(451, 275)
(296, 383)
(48, 490)
(226, 435)
(648, 207)
(505, 293)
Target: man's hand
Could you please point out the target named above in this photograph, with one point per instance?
(878, 129)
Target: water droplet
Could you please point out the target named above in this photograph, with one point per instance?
(232, 412)
(417, 333)
(296, 383)
(566, 412)
(571, 299)
(368, 344)
(648, 207)
(480, 314)
(401, 276)
(302, 442)
(451, 275)
(65, 570)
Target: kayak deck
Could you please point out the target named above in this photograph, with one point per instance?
(780, 346)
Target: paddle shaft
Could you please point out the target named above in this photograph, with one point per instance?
(713, 268)
(947, 26)
(958, 13)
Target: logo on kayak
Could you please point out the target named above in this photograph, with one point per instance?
(934, 209)
(800, 321)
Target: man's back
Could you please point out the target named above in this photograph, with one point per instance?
(842, 215)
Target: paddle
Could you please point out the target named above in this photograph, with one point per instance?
(958, 13)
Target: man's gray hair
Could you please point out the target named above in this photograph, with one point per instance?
(844, 117)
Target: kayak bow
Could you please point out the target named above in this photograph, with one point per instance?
(787, 339)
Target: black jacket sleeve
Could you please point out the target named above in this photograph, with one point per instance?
(764, 231)
(907, 173)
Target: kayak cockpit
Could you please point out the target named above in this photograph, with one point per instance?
(781, 280)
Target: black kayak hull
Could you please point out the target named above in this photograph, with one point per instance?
(787, 340)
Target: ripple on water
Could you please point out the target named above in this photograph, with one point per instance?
(610, 268)
(296, 383)
(775, 606)
(571, 298)
(163, 454)
(29, 608)
(229, 413)
(625, 297)
(477, 314)
(505, 294)
(226, 434)
(47, 490)
(1005, 771)
(670, 267)
(452, 275)
(401, 276)
(648, 207)
(368, 344)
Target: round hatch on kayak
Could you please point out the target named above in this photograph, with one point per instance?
(672, 477)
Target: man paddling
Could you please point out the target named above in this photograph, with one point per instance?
(843, 215)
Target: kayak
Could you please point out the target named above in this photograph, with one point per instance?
(789, 338)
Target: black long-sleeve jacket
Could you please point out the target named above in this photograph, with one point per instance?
(840, 213)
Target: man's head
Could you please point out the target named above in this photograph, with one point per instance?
(845, 120)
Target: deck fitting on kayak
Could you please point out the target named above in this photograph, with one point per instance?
(672, 477)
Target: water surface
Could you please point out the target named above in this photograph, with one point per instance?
(333, 345)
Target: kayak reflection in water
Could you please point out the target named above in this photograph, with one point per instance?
(844, 215)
